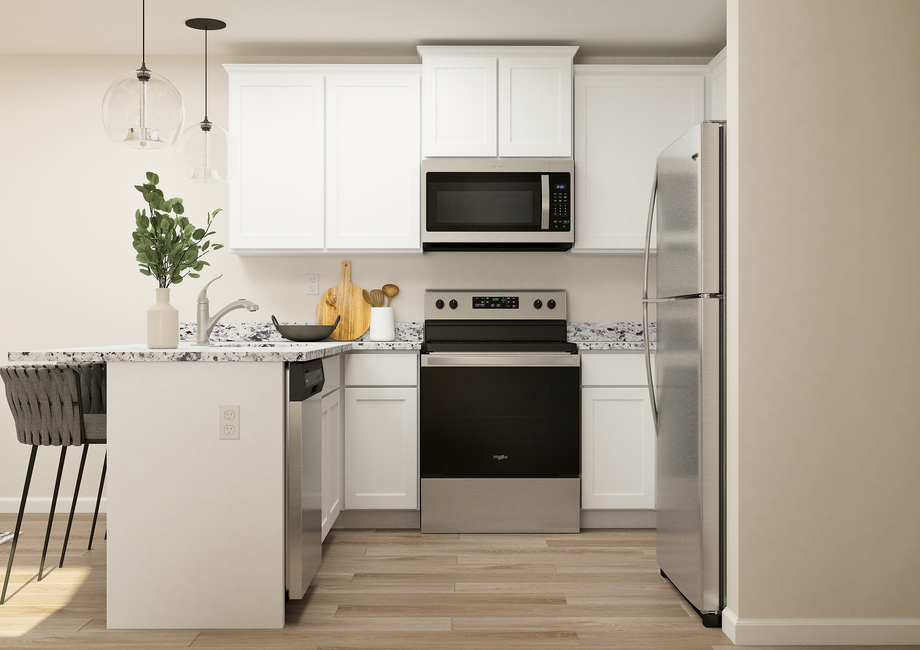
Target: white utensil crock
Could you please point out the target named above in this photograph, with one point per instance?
(383, 327)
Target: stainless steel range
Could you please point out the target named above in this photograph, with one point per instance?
(499, 413)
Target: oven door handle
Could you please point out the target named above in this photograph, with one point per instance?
(500, 360)
(544, 211)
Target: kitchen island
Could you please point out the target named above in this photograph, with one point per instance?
(196, 528)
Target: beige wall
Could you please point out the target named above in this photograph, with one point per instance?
(826, 520)
(67, 204)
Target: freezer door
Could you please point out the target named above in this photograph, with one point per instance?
(689, 468)
(689, 213)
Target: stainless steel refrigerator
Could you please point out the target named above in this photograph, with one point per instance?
(688, 398)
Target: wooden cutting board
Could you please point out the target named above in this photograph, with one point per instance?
(347, 301)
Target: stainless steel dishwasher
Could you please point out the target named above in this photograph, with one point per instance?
(303, 449)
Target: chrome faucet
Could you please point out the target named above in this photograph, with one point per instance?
(206, 322)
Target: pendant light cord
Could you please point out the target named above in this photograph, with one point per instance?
(143, 35)
(205, 75)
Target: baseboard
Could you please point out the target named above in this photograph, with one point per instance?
(378, 519)
(617, 519)
(43, 504)
(820, 631)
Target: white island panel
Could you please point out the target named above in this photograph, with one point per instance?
(195, 524)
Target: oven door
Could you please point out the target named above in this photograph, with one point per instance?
(494, 415)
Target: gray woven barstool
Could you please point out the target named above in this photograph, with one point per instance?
(58, 406)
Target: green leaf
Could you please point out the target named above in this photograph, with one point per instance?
(205, 246)
(179, 208)
(145, 271)
(217, 246)
(194, 275)
(214, 214)
(176, 279)
(153, 178)
(198, 234)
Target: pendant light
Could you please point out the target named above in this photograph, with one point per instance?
(141, 109)
(206, 153)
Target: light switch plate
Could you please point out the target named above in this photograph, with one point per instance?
(229, 423)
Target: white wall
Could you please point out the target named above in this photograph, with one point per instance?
(824, 521)
(68, 202)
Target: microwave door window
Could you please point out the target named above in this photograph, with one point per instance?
(484, 204)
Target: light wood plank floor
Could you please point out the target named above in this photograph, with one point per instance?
(390, 589)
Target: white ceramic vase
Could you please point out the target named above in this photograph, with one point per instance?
(383, 328)
(162, 323)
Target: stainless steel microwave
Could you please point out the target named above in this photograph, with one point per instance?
(497, 205)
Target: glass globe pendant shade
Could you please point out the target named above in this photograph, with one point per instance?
(206, 154)
(143, 110)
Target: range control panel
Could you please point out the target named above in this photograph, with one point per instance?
(498, 304)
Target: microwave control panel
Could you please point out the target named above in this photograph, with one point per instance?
(560, 203)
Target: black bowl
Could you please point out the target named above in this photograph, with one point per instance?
(305, 333)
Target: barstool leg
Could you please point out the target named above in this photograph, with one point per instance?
(22, 508)
(57, 486)
(73, 504)
(92, 531)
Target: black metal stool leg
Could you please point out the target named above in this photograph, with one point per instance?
(22, 508)
(57, 486)
(73, 504)
(92, 530)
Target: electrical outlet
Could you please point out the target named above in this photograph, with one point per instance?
(229, 427)
(312, 284)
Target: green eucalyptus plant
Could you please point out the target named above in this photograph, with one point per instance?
(169, 248)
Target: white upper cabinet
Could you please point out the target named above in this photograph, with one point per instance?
(276, 199)
(372, 161)
(535, 105)
(459, 117)
(330, 158)
(624, 117)
(506, 101)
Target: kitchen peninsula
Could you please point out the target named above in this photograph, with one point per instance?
(196, 524)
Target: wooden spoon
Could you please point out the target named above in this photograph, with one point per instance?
(390, 291)
(377, 296)
(367, 297)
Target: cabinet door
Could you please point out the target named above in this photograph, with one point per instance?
(535, 106)
(333, 459)
(381, 448)
(372, 161)
(459, 106)
(618, 449)
(622, 123)
(276, 199)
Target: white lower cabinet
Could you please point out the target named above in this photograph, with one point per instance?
(333, 459)
(618, 434)
(380, 403)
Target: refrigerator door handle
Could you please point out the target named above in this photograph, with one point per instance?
(646, 301)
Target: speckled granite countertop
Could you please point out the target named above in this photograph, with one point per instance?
(261, 342)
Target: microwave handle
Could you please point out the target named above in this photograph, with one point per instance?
(544, 214)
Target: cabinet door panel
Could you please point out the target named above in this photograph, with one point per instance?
(618, 449)
(372, 161)
(333, 459)
(622, 123)
(276, 199)
(460, 99)
(535, 106)
(381, 448)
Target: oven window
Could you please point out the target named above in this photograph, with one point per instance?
(483, 202)
(500, 421)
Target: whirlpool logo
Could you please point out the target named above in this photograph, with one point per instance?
(500, 457)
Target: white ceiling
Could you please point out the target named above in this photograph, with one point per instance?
(602, 28)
